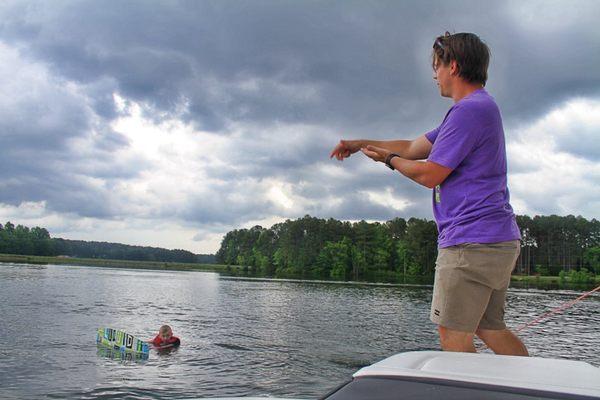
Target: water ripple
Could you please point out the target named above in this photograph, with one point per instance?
(239, 337)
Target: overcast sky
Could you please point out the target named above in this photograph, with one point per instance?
(166, 123)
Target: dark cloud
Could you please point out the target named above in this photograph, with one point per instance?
(328, 63)
(582, 141)
(361, 59)
(282, 80)
(53, 148)
(352, 65)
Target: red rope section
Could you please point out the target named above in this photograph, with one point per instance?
(556, 310)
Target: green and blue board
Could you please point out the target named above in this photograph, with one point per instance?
(121, 340)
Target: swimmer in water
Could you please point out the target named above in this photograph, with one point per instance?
(165, 338)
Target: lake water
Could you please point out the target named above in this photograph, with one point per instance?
(239, 337)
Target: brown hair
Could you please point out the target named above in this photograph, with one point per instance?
(471, 55)
(164, 329)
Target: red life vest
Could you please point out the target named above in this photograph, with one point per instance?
(159, 342)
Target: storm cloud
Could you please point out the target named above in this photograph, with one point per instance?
(207, 116)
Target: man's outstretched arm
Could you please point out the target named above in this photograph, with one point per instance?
(417, 149)
(425, 173)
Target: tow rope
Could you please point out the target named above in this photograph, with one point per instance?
(556, 310)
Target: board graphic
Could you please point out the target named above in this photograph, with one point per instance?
(121, 340)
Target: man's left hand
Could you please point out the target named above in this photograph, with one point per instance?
(375, 153)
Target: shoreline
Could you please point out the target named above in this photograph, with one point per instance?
(240, 272)
(110, 263)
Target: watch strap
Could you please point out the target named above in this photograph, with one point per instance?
(388, 160)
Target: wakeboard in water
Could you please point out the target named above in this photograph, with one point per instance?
(121, 341)
(118, 355)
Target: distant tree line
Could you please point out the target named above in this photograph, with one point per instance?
(37, 242)
(330, 249)
(551, 244)
(391, 251)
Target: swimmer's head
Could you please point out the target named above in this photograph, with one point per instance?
(165, 332)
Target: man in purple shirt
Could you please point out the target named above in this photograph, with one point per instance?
(466, 168)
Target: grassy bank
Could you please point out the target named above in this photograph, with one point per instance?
(99, 262)
(550, 280)
(546, 282)
(535, 279)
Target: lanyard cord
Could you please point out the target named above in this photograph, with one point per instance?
(556, 310)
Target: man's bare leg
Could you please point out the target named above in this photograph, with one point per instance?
(452, 340)
(502, 342)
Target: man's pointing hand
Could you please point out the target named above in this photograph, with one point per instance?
(345, 148)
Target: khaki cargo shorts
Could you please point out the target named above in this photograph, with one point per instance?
(470, 285)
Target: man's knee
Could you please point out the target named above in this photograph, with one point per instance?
(492, 334)
(483, 333)
(502, 341)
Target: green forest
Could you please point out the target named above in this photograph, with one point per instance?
(313, 248)
(37, 242)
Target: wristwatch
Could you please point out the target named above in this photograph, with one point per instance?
(388, 160)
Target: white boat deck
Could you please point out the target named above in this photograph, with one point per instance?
(553, 375)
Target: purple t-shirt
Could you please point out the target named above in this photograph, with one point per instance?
(472, 204)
